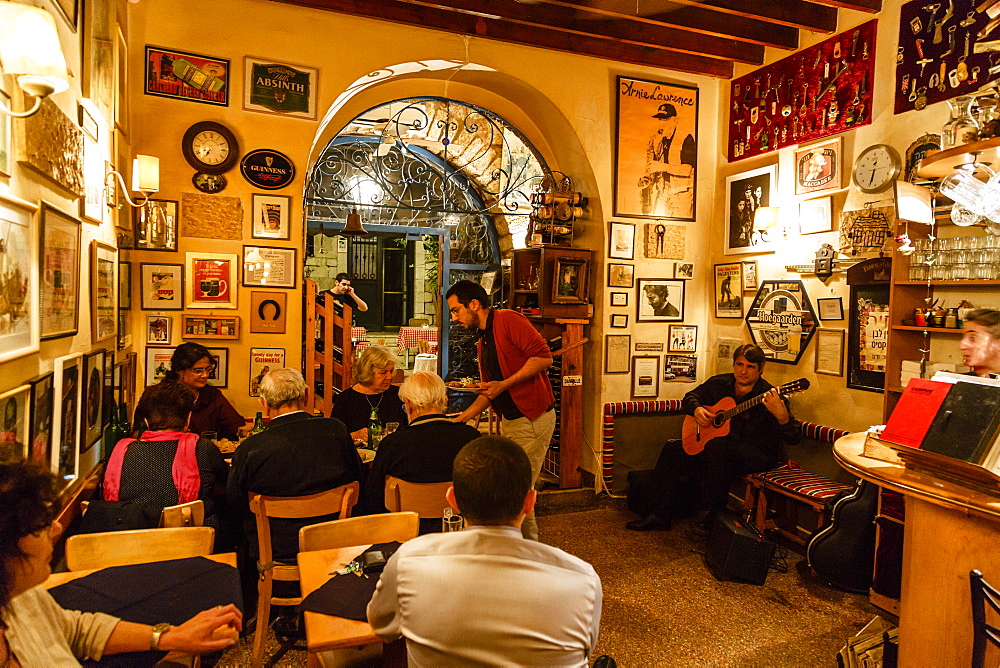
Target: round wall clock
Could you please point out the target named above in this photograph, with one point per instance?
(876, 168)
(209, 183)
(210, 147)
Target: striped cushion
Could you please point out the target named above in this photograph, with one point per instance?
(794, 479)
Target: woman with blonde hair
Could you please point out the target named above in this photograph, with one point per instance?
(372, 388)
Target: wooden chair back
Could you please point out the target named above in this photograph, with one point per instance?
(121, 548)
(190, 514)
(424, 498)
(384, 528)
(984, 598)
(418, 322)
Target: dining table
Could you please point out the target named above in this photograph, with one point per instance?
(409, 336)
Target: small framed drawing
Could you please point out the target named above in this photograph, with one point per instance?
(41, 419)
(571, 275)
(728, 285)
(161, 286)
(158, 330)
(749, 275)
(103, 290)
(645, 376)
(19, 328)
(67, 395)
(830, 308)
(156, 225)
(59, 273)
(157, 363)
(215, 327)
(684, 270)
(271, 268)
(93, 395)
(211, 280)
(619, 299)
(816, 215)
(619, 320)
(124, 285)
(818, 166)
(660, 300)
(830, 351)
(682, 338)
(621, 275)
(15, 407)
(220, 375)
(271, 216)
(617, 348)
(621, 241)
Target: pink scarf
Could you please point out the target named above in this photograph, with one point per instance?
(187, 477)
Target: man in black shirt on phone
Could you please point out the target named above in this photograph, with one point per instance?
(345, 294)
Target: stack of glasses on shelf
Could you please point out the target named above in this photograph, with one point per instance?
(956, 259)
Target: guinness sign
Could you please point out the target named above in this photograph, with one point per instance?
(267, 169)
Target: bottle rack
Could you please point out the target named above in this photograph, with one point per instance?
(555, 207)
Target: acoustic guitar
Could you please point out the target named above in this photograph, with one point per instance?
(694, 436)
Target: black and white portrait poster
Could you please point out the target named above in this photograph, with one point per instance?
(745, 193)
(660, 300)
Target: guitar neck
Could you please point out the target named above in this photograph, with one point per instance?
(750, 403)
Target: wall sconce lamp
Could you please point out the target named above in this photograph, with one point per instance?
(765, 218)
(30, 50)
(145, 180)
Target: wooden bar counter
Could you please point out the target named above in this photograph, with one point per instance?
(950, 530)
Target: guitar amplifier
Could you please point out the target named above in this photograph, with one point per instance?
(737, 551)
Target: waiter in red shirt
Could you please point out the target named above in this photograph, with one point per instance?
(513, 358)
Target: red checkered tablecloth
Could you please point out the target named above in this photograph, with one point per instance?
(359, 334)
(408, 337)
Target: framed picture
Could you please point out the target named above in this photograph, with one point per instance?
(617, 351)
(121, 81)
(19, 334)
(619, 299)
(220, 376)
(645, 376)
(186, 76)
(124, 329)
(211, 280)
(68, 396)
(103, 290)
(680, 368)
(745, 193)
(93, 204)
(59, 294)
(263, 360)
(570, 285)
(156, 225)
(830, 308)
(108, 403)
(728, 290)
(621, 241)
(93, 396)
(6, 133)
(660, 300)
(161, 287)
(917, 151)
(271, 217)
(830, 351)
(684, 270)
(867, 325)
(619, 320)
(15, 411)
(276, 270)
(158, 330)
(656, 156)
(215, 327)
(682, 338)
(124, 285)
(816, 215)
(98, 61)
(781, 320)
(487, 280)
(621, 275)
(41, 419)
(130, 372)
(268, 312)
(279, 88)
(157, 364)
(749, 275)
(819, 166)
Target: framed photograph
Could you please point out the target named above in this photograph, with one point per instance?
(656, 156)
(93, 396)
(157, 364)
(680, 368)
(816, 215)
(15, 411)
(279, 88)
(186, 76)
(215, 327)
(124, 329)
(6, 134)
(728, 290)
(645, 376)
(570, 285)
(156, 225)
(277, 270)
(263, 360)
(830, 308)
(161, 287)
(19, 334)
(617, 351)
(621, 275)
(68, 396)
(220, 377)
(268, 312)
(830, 351)
(93, 204)
(619, 299)
(211, 280)
(59, 295)
(103, 290)
(682, 338)
(621, 241)
(271, 217)
(749, 275)
(41, 419)
(745, 193)
(124, 285)
(819, 166)
(619, 320)
(684, 270)
(660, 300)
(158, 330)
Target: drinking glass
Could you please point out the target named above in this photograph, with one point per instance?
(451, 523)
(390, 427)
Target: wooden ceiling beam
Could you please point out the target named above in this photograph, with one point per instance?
(795, 13)
(870, 6)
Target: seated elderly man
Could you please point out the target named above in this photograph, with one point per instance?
(486, 595)
(424, 450)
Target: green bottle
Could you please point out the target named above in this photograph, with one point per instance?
(117, 429)
(374, 430)
(258, 423)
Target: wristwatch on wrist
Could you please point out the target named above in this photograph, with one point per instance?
(158, 631)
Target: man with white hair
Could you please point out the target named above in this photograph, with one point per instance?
(424, 450)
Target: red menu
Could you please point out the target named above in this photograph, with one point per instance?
(915, 411)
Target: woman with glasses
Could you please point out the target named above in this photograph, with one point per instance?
(192, 365)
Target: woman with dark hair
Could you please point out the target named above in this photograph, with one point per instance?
(372, 388)
(34, 629)
(192, 365)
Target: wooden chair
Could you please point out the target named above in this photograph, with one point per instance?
(418, 322)
(190, 514)
(384, 528)
(121, 548)
(340, 498)
(983, 595)
(424, 498)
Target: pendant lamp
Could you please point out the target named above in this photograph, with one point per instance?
(354, 225)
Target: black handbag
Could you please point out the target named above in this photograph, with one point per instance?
(118, 516)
